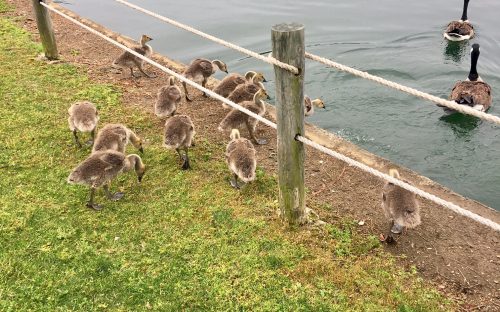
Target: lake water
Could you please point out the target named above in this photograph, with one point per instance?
(398, 40)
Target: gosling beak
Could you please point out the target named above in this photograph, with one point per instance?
(268, 97)
(141, 150)
(226, 71)
(264, 80)
(139, 178)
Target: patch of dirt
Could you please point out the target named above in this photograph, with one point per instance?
(460, 257)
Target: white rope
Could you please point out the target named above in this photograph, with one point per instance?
(266, 59)
(165, 69)
(302, 139)
(450, 104)
(402, 184)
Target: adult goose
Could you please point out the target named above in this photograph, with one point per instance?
(460, 30)
(473, 92)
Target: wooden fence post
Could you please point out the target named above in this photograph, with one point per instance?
(288, 47)
(46, 31)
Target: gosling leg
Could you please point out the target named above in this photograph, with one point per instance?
(181, 158)
(77, 141)
(234, 181)
(92, 136)
(144, 73)
(203, 84)
(186, 165)
(186, 92)
(251, 130)
(113, 197)
(90, 203)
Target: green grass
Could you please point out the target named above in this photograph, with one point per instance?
(178, 241)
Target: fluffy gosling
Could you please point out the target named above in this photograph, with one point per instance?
(241, 159)
(100, 168)
(245, 92)
(309, 105)
(200, 70)
(116, 137)
(83, 116)
(168, 99)
(235, 118)
(400, 206)
(128, 60)
(178, 135)
(231, 81)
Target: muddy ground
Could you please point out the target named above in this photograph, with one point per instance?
(461, 257)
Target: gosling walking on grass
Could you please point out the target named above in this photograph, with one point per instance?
(241, 159)
(83, 117)
(116, 137)
(178, 135)
(168, 99)
(100, 168)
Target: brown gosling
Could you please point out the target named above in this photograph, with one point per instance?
(231, 81)
(400, 206)
(241, 159)
(128, 60)
(100, 168)
(235, 118)
(200, 70)
(178, 135)
(462, 29)
(473, 92)
(168, 99)
(116, 137)
(245, 92)
(83, 116)
(309, 105)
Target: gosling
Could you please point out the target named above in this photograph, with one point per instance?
(231, 81)
(241, 159)
(309, 105)
(235, 118)
(100, 168)
(83, 116)
(128, 60)
(245, 92)
(168, 99)
(116, 137)
(178, 135)
(201, 70)
(400, 206)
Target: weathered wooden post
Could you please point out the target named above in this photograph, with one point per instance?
(288, 47)
(46, 31)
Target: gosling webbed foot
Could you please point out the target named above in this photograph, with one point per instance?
(235, 184)
(94, 206)
(116, 196)
(188, 99)
(185, 164)
(205, 95)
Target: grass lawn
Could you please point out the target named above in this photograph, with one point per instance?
(178, 241)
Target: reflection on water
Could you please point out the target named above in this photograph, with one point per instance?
(461, 125)
(456, 50)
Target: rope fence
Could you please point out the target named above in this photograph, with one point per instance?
(256, 55)
(271, 60)
(457, 209)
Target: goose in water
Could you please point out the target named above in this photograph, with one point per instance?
(462, 29)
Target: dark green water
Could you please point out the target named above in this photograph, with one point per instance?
(398, 40)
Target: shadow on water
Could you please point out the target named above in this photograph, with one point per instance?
(461, 125)
(455, 50)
